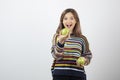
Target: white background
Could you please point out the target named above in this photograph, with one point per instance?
(27, 27)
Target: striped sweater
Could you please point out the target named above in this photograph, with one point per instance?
(73, 48)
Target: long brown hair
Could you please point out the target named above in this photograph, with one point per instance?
(77, 29)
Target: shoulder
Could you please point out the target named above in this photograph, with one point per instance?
(84, 38)
(81, 38)
(55, 35)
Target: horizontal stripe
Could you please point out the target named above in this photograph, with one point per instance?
(73, 46)
(74, 42)
(67, 65)
(72, 49)
(67, 56)
(61, 68)
(72, 54)
(68, 59)
(72, 62)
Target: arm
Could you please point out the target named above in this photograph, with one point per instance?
(57, 48)
(86, 53)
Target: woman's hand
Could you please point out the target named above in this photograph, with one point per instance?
(81, 61)
(61, 38)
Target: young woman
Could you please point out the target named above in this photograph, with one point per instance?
(67, 49)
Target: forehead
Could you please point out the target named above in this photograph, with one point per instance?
(69, 14)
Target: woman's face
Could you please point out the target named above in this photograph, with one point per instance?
(69, 21)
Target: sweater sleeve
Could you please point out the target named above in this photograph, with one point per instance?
(86, 51)
(56, 48)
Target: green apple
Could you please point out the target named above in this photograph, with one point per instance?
(81, 60)
(64, 31)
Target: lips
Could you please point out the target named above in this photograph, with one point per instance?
(69, 25)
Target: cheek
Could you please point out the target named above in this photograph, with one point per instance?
(73, 25)
(63, 22)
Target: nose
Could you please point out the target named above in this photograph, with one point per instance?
(69, 20)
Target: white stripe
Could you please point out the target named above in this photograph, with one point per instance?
(69, 69)
(73, 46)
(74, 40)
(74, 54)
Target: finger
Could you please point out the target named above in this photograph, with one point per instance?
(60, 32)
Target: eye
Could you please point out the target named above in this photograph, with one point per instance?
(72, 18)
(65, 18)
